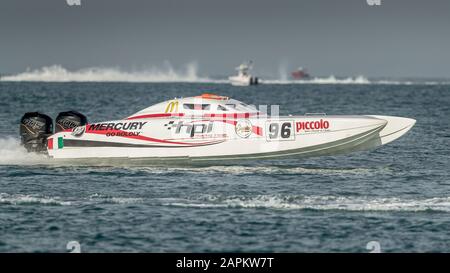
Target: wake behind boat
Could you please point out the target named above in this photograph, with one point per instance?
(206, 127)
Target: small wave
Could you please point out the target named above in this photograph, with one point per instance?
(263, 170)
(114, 200)
(31, 199)
(57, 73)
(315, 203)
(25, 199)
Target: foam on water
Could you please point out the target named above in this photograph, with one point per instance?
(19, 199)
(327, 80)
(278, 202)
(296, 202)
(95, 199)
(262, 170)
(12, 153)
(114, 200)
(57, 73)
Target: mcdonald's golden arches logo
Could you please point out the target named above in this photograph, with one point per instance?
(173, 105)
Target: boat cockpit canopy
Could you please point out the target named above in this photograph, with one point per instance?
(199, 105)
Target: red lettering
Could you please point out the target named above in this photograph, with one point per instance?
(312, 125)
(317, 125)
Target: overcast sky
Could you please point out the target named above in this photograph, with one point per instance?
(400, 38)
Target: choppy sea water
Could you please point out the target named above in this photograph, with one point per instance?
(398, 195)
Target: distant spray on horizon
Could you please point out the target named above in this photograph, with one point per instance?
(188, 73)
(57, 73)
(283, 70)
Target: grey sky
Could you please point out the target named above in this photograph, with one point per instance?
(400, 38)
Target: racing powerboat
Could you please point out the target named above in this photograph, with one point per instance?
(206, 127)
(300, 74)
(244, 78)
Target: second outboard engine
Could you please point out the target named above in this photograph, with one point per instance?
(34, 130)
(69, 120)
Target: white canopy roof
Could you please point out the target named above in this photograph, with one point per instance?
(203, 104)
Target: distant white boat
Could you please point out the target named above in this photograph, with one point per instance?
(244, 78)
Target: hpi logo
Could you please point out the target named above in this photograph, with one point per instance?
(73, 2)
(373, 2)
(190, 128)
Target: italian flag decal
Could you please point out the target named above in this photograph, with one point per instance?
(54, 145)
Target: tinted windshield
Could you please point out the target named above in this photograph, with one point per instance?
(240, 106)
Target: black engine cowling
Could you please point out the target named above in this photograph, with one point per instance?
(69, 120)
(34, 130)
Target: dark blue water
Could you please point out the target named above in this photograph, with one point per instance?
(398, 195)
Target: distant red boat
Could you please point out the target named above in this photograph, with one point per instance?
(300, 74)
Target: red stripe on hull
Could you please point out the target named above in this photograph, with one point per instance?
(164, 115)
(161, 115)
(144, 138)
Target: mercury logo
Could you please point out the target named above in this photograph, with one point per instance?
(117, 126)
(78, 131)
(35, 124)
(67, 123)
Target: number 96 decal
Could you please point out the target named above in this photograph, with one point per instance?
(279, 130)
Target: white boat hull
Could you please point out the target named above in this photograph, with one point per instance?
(243, 80)
(224, 138)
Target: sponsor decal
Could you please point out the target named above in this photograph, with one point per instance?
(35, 124)
(123, 134)
(172, 107)
(67, 123)
(117, 126)
(60, 143)
(78, 131)
(190, 128)
(54, 145)
(312, 125)
(279, 130)
(244, 128)
(50, 143)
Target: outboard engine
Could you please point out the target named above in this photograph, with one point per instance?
(253, 81)
(34, 130)
(69, 120)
